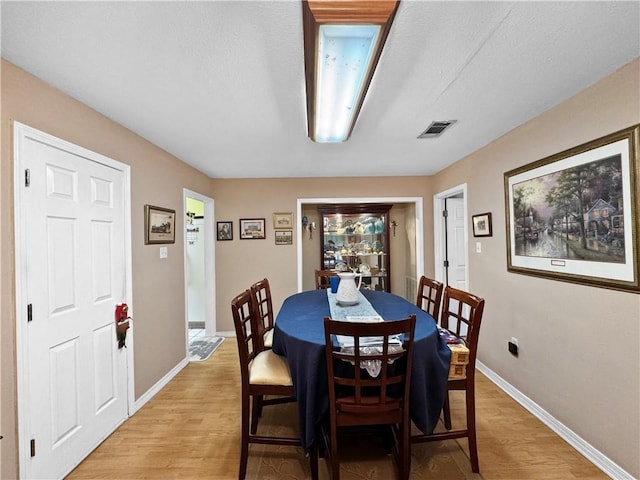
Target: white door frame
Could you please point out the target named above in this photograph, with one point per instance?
(439, 233)
(417, 201)
(21, 131)
(210, 324)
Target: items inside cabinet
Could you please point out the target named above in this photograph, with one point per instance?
(355, 237)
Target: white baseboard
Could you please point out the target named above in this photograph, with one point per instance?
(592, 454)
(226, 334)
(149, 394)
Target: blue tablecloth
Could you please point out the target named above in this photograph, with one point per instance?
(299, 336)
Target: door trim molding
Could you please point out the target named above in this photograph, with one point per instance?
(417, 201)
(439, 230)
(20, 133)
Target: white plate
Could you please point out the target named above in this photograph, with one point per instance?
(347, 304)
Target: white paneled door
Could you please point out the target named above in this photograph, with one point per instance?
(456, 246)
(75, 387)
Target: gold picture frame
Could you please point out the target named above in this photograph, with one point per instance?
(282, 220)
(575, 216)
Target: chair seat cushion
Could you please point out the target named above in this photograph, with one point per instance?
(268, 338)
(267, 368)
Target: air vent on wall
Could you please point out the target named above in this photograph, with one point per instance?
(436, 129)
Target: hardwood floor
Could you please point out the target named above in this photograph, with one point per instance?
(191, 430)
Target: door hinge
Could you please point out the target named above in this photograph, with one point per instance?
(29, 312)
(446, 264)
(27, 177)
(33, 447)
(445, 213)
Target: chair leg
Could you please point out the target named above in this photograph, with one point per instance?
(335, 460)
(471, 430)
(256, 410)
(313, 461)
(244, 446)
(446, 411)
(405, 456)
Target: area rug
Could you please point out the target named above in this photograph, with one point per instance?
(203, 347)
(361, 458)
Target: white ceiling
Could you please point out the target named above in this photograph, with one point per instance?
(220, 84)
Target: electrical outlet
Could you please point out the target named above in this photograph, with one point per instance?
(513, 346)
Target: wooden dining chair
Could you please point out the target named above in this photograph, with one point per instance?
(461, 316)
(261, 293)
(322, 278)
(356, 398)
(429, 296)
(262, 373)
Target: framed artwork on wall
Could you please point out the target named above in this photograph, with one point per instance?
(224, 230)
(252, 229)
(284, 237)
(282, 221)
(574, 216)
(159, 225)
(482, 225)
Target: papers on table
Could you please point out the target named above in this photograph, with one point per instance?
(364, 319)
(347, 341)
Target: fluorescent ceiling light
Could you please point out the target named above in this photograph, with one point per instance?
(345, 53)
(343, 40)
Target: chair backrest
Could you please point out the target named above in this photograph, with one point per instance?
(461, 315)
(322, 278)
(356, 396)
(261, 293)
(429, 296)
(244, 320)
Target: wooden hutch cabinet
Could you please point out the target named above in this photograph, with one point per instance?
(356, 237)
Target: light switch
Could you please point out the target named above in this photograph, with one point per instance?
(163, 252)
(478, 247)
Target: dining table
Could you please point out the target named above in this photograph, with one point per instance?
(299, 336)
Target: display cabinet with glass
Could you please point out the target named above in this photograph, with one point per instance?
(356, 237)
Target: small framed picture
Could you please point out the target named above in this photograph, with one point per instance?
(283, 221)
(225, 230)
(482, 225)
(284, 237)
(159, 225)
(252, 229)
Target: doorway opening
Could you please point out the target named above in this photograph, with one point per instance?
(408, 257)
(199, 267)
(450, 237)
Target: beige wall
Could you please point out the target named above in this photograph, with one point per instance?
(242, 262)
(157, 178)
(579, 356)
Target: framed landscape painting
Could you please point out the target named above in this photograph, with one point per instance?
(573, 216)
(159, 225)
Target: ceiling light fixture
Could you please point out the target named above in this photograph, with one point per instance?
(343, 40)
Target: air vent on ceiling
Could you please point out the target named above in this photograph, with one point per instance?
(436, 129)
